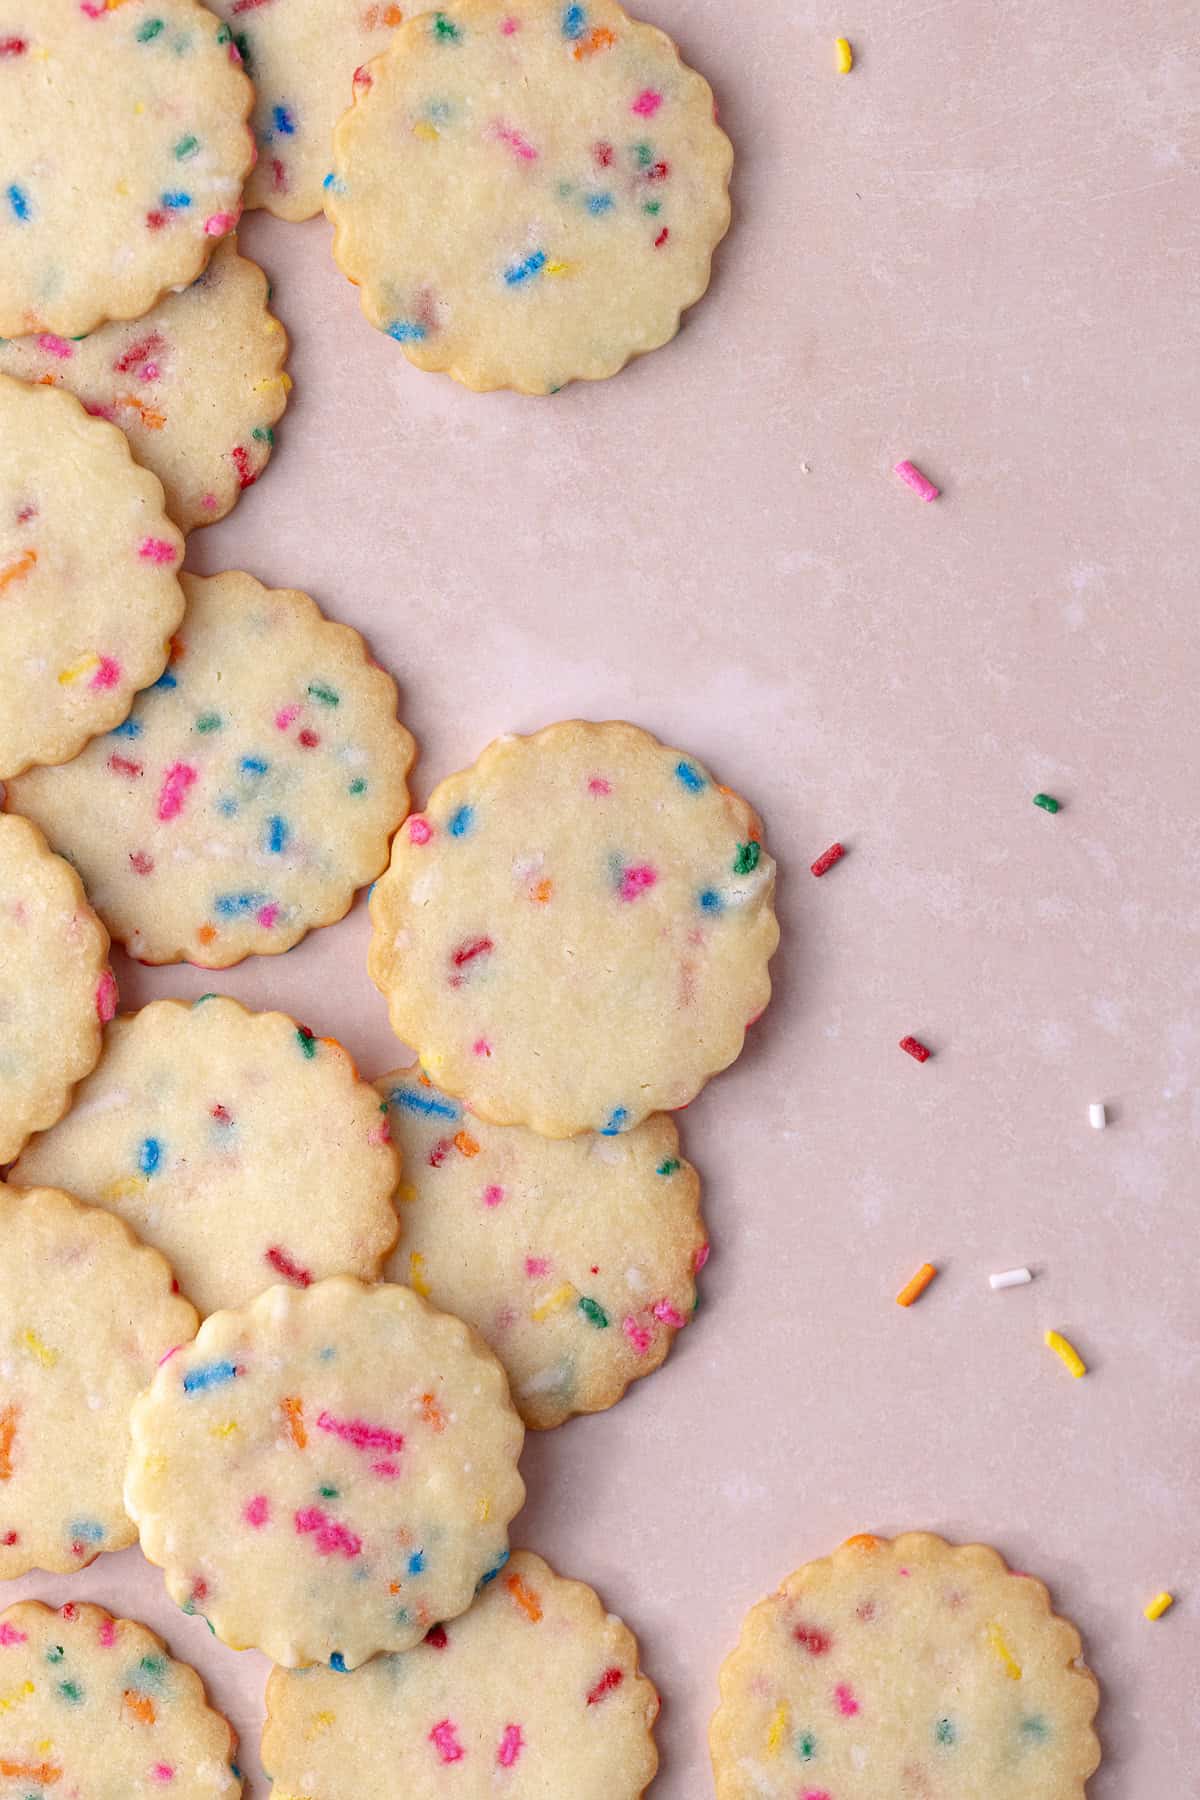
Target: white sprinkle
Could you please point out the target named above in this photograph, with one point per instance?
(1010, 1278)
(1097, 1117)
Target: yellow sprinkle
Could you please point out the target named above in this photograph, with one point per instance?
(423, 129)
(561, 268)
(320, 1724)
(223, 1431)
(777, 1729)
(140, 108)
(484, 1510)
(125, 1188)
(283, 381)
(432, 1061)
(553, 1303)
(406, 1191)
(8, 1701)
(1160, 1604)
(1067, 1353)
(154, 1465)
(845, 56)
(74, 670)
(1012, 1667)
(35, 1347)
(416, 1274)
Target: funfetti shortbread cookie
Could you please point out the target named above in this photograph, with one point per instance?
(527, 192)
(575, 933)
(57, 991)
(910, 1667)
(249, 793)
(305, 57)
(574, 1259)
(89, 594)
(246, 1149)
(123, 149)
(328, 1473)
(98, 1707)
(197, 385)
(86, 1312)
(535, 1692)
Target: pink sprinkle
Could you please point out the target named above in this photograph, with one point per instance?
(516, 140)
(168, 1354)
(598, 785)
(847, 1705)
(360, 1434)
(647, 103)
(511, 1746)
(701, 1257)
(387, 1471)
(636, 880)
(492, 1195)
(163, 1772)
(217, 224)
(419, 830)
(445, 1741)
(331, 1534)
(669, 1316)
(107, 675)
(10, 1635)
(108, 1633)
(267, 915)
(209, 503)
(287, 715)
(537, 1265)
(481, 1047)
(637, 1334)
(815, 1794)
(509, 25)
(55, 346)
(157, 550)
(176, 782)
(106, 997)
(151, 372)
(257, 1512)
(379, 1135)
(913, 478)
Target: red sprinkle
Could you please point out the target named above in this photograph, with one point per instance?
(223, 1116)
(607, 1684)
(914, 1047)
(121, 765)
(363, 77)
(156, 220)
(662, 237)
(826, 861)
(603, 154)
(241, 462)
(142, 864)
(814, 1640)
(309, 739)
(13, 46)
(468, 952)
(437, 1639)
(138, 353)
(278, 176)
(278, 1258)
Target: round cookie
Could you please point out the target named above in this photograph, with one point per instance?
(575, 932)
(89, 594)
(97, 1706)
(535, 1692)
(304, 57)
(574, 1259)
(86, 1312)
(529, 193)
(244, 1148)
(56, 988)
(906, 1667)
(328, 1473)
(197, 385)
(123, 149)
(249, 793)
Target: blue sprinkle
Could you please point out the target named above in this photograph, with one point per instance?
(284, 122)
(327, 1354)
(18, 199)
(149, 1156)
(337, 1663)
(129, 728)
(416, 1562)
(691, 778)
(87, 1531)
(235, 1771)
(333, 183)
(525, 271)
(166, 680)
(574, 22)
(711, 901)
(414, 1102)
(175, 202)
(407, 331)
(616, 1122)
(493, 1571)
(277, 834)
(462, 821)
(600, 203)
(254, 765)
(232, 906)
(227, 806)
(208, 1375)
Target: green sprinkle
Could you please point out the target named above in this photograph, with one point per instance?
(326, 695)
(593, 1312)
(328, 1493)
(149, 31)
(204, 997)
(644, 155)
(358, 785)
(652, 207)
(746, 860)
(806, 1746)
(209, 721)
(153, 1666)
(307, 1041)
(187, 146)
(224, 35)
(55, 1653)
(669, 1167)
(264, 434)
(944, 1731)
(242, 40)
(189, 1607)
(71, 1692)
(1035, 1728)
(1047, 802)
(446, 29)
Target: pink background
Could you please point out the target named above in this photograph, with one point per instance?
(978, 250)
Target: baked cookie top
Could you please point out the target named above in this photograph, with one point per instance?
(574, 1258)
(906, 1667)
(123, 149)
(575, 932)
(327, 1473)
(250, 792)
(534, 1692)
(527, 192)
(86, 1312)
(89, 594)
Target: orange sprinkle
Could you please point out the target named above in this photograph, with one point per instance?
(8, 1431)
(599, 39)
(150, 416)
(432, 1413)
(543, 891)
(912, 1290)
(525, 1597)
(207, 933)
(16, 571)
(466, 1143)
(424, 1079)
(44, 1772)
(294, 1410)
(140, 1705)
(863, 1540)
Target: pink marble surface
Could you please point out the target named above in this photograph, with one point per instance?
(979, 250)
